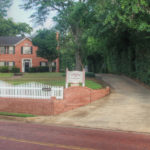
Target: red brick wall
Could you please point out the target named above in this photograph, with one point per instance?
(17, 57)
(74, 97)
(28, 106)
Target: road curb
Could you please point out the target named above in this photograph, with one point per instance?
(13, 118)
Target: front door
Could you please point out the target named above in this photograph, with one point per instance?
(27, 66)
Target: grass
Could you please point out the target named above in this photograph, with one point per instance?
(16, 114)
(93, 85)
(43, 75)
(6, 75)
(54, 79)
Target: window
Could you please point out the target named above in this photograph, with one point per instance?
(2, 50)
(10, 63)
(43, 64)
(53, 63)
(2, 63)
(26, 50)
(11, 50)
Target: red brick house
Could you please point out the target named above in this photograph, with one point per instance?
(20, 52)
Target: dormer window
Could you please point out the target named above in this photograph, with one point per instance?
(2, 50)
(26, 50)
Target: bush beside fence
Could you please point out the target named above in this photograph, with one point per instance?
(6, 69)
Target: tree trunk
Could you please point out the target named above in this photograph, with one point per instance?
(78, 66)
(50, 66)
(78, 60)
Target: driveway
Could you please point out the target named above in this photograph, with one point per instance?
(126, 108)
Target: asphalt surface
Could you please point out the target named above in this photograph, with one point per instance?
(23, 136)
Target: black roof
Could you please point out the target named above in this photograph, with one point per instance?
(10, 40)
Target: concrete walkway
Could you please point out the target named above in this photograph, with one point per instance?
(126, 108)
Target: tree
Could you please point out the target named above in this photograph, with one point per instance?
(110, 36)
(135, 14)
(7, 26)
(4, 5)
(71, 17)
(10, 28)
(122, 31)
(47, 45)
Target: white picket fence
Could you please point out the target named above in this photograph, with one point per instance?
(32, 90)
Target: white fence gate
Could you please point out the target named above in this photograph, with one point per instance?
(32, 90)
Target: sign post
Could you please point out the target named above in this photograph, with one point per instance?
(75, 78)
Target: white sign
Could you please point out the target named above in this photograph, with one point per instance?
(75, 77)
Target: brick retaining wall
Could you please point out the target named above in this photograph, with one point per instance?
(74, 97)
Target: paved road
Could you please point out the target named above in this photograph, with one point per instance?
(21, 136)
(126, 108)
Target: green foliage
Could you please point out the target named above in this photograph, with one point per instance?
(92, 84)
(15, 70)
(110, 36)
(71, 17)
(90, 74)
(9, 28)
(67, 59)
(47, 45)
(55, 79)
(4, 69)
(135, 14)
(6, 75)
(39, 69)
(16, 114)
(4, 5)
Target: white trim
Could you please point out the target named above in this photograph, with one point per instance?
(23, 60)
(23, 40)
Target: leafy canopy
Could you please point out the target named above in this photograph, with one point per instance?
(70, 18)
(47, 44)
(10, 28)
(4, 5)
(133, 13)
(7, 26)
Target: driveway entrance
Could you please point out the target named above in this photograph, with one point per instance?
(126, 108)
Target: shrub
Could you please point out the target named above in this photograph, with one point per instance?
(90, 74)
(53, 68)
(15, 70)
(4, 69)
(33, 69)
(42, 69)
(38, 69)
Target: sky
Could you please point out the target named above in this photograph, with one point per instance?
(19, 15)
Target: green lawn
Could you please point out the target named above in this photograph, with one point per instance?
(6, 75)
(16, 114)
(43, 75)
(55, 79)
(93, 85)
